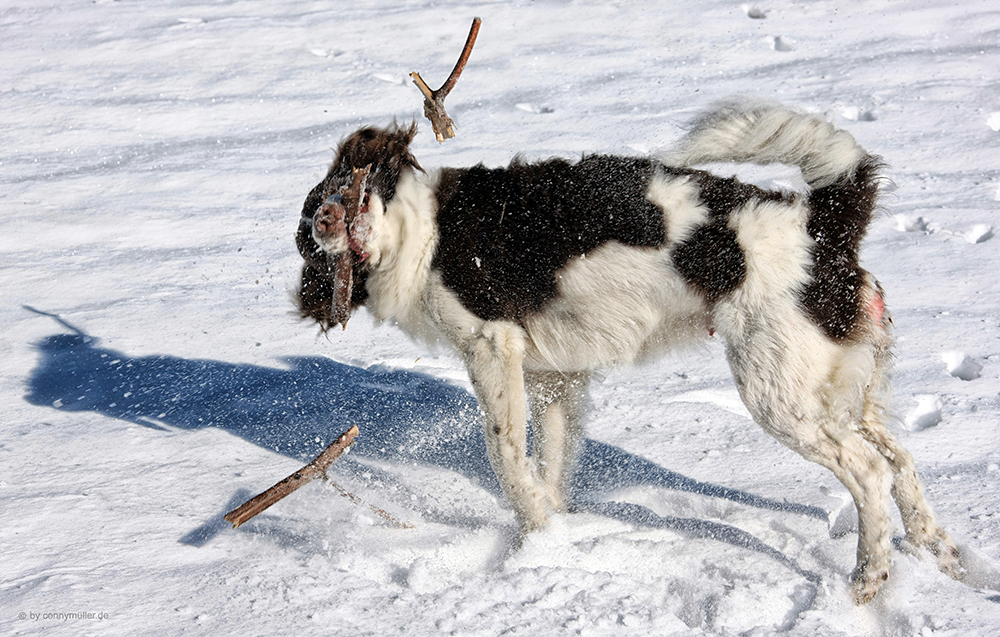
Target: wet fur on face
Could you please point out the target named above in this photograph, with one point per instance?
(387, 151)
(539, 273)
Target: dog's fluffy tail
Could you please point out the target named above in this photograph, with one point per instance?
(766, 133)
(843, 181)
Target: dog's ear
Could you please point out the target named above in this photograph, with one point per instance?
(386, 150)
(315, 297)
(406, 134)
(397, 148)
(380, 147)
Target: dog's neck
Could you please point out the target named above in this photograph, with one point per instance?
(405, 240)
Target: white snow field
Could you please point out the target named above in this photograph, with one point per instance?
(153, 161)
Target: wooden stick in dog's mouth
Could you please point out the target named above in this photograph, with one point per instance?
(354, 199)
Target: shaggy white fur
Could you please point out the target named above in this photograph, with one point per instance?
(825, 398)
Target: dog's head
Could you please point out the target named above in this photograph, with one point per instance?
(339, 244)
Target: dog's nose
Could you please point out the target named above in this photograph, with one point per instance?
(324, 225)
(329, 218)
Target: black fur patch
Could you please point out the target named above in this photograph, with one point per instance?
(505, 232)
(840, 216)
(711, 260)
(315, 294)
(724, 195)
(315, 291)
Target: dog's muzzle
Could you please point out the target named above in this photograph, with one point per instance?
(335, 233)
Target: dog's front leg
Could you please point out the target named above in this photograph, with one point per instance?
(556, 400)
(494, 356)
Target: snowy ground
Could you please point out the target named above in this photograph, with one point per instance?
(153, 161)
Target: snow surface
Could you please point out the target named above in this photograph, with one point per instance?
(153, 161)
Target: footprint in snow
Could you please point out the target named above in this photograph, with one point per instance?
(978, 233)
(926, 414)
(183, 23)
(533, 108)
(909, 223)
(328, 53)
(993, 121)
(858, 114)
(754, 12)
(779, 43)
(961, 365)
(390, 78)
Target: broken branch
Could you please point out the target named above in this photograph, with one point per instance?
(352, 198)
(315, 469)
(444, 127)
(354, 194)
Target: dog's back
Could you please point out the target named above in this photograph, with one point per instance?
(505, 233)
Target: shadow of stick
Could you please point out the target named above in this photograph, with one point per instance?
(203, 534)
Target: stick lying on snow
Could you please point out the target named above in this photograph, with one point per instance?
(315, 469)
(444, 128)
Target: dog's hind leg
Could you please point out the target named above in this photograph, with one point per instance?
(863, 471)
(922, 528)
(804, 383)
(494, 357)
(807, 392)
(556, 401)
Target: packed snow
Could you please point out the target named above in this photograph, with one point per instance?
(153, 159)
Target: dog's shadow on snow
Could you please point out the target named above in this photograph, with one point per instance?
(404, 417)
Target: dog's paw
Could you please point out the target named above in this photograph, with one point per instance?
(531, 518)
(949, 558)
(866, 580)
(555, 499)
(942, 547)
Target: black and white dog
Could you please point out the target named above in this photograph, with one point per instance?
(540, 273)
